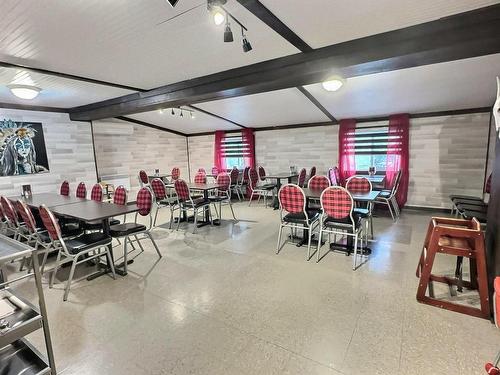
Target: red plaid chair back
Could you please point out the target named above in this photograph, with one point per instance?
(200, 178)
(144, 201)
(254, 177)
(336, 202)
(64, 188)
(8, 210)
(182, 190)
(292, 199)
(245, 174)
(215, 171)
(225, 180)
(262, 173)
(396, 181)
(81, 190)
(487, 189)
(333, 177)
(50, 223)
(159, 189)
(27, 216)
(120, 196)
(143, 177)
(318, 183)
(312, 172)
(358, 185)
(176, 173)
(202, 170)
(235, 173)
(96, 193)
(302, 177)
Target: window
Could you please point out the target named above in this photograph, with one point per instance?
(234, 151)
(371, 148)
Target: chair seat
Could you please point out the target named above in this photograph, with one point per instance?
(300, 218)
(266, 187)
(361, 212)
(384, 194)
(125, 229)
(96, 225)
(87, 241)
(197, 203)
(468, 197)
(218, 198)
(344, 224)
(168, 201)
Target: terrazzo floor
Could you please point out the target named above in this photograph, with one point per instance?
(222, 302)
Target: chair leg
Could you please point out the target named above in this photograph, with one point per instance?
(309, 244)
(232, 211)
(154, 243)
(371, 228)
(138, 243)
(171, 218)
(70, 278)
(44, 261)
(390, 210)
(110, 261)
(179, 218)
(215, 207)
(195, 220)
(251, 197)
(278, 246)
(318, 248)
(354, 259)
(125, 254)
(156, 215)
(53, 276)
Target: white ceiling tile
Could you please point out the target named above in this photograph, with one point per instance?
(201, 123)
(324, 22)
(281, 107)
(56, 91)
(458, 84)
(120, 41)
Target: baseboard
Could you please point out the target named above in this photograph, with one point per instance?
(428, 209)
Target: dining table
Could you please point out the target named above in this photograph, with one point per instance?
(376, 179)
(205, 189)
(162, 176)
(278, 177)
(48, 199)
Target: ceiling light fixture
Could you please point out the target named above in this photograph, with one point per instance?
(333, 83)
(173, 113)
(219, 18)
(228, 34)
(182, 115)
(27, 92)
(247, 47)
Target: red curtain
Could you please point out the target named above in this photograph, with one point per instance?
(398, 155)
(249, 139)
(347, 162)
(219, 160)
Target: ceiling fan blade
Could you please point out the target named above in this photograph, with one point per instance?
(180, 14)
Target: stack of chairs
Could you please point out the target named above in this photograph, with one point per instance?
(468, 206)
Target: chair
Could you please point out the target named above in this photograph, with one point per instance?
(318, 183)
(338, 217)
(162, 200)
(143, 179)
(258, 188)
(15, 228)
(336, 171)
(76, 250)
(202, 170)
(243, 183)
(176, 173)
(200, 178)
(222, 194)
(81, 190)
(235, 174)
(64, 190)
(96, 195)
(262, 178)
(186, 203)
(462, 203)
(302, 177)
(312, 173)
(361, 185)
(332, 177)
(388, 197)
(144, 202)
(293, 214)
(215, 171)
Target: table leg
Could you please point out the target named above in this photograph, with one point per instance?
(276, 203)
(207, 214)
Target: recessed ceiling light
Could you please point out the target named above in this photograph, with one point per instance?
(219, 18)
(24, 91)
(333, 84)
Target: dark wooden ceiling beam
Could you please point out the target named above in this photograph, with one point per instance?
(27, 107)
(460, 36)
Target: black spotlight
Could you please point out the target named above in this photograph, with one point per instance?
(247, 47)
(228, 34)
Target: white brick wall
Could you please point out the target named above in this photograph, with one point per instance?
(201, 153)
(69, 151)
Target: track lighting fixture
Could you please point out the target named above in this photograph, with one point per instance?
(228, 34)
(173, 113)
(180, 112)
(182, 115)
(247, 47)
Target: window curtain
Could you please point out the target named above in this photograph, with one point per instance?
(219, 159)
(347, 162)
(249, 139)
(398, 155)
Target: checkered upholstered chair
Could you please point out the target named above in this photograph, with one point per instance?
(257, 186)
(235, 174)
(143, 178)
(81, 190)
(222, 194)
(187, 203)
(202, 170)
(388, 197)
(312, 173)
(264, 183)
(163, 200)
(15, 228)
(64, 190)
(332, 176)
(77, 250)
(318, 183)
(338, 217)
(361, 185)
(243, 183)
(131, 231)
(176, 173)
(215, 171)
(302, 177)
(96, 193)
(293, 215)
(200, 178)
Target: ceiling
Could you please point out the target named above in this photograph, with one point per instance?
(121, 41)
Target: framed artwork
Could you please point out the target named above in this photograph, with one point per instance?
(22, 148)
